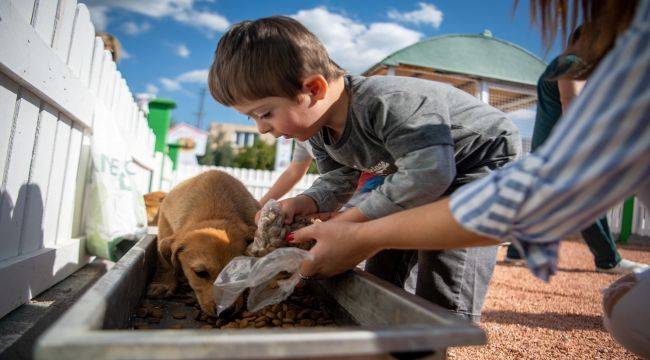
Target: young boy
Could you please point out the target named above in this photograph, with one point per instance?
(427, 138)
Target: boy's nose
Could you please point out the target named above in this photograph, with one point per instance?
(263, 128)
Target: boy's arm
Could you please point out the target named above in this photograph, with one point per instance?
(334, 188)
(287, 180)
(422, 177)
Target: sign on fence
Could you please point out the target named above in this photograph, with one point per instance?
(114, 206)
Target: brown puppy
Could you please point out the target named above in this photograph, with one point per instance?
(152, 202)
(203, 223)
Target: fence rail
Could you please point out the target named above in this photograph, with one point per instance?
(258, 182)
(56, 82)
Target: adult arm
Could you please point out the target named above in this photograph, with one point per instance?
(569, 89)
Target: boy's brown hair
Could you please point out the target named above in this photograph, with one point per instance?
(267, 57)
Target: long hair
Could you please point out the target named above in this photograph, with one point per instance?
(602, 22)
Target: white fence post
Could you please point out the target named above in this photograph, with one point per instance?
(56, 82)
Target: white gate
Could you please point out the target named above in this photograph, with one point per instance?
(55, 78)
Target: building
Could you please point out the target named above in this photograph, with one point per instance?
(498, 72)
(192, 140)
(239, 135)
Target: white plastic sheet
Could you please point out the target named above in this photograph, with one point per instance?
(258, 274)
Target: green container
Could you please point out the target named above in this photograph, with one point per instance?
(159, 119)
(173, 154)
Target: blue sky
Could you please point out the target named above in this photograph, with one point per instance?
(170, 43)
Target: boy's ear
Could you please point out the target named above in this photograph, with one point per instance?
(316, 86)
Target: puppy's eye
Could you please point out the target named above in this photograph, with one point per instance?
(202, 274)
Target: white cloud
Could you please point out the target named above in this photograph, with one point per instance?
(151, 89)
(354, 45)
(99, 16)
(170, 85)
(182, 51)
(125, 54)
(194, 77)
(203, 20)
(182, 11)
(133, 28)
(427, 14)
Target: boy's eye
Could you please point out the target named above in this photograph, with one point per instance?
(266, 115)
(202, 274)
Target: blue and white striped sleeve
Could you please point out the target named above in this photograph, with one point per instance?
(596, 156)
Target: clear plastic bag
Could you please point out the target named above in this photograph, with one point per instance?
(261, 276)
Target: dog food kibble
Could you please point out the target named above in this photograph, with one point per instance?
(157, 313)
(190, 301)
(301, 309)
(142, 312)
(141, 326)
(179, 315)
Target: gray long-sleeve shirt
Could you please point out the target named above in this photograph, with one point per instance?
(423, 135)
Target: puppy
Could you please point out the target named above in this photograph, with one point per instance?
(203, 223)
(152, 202)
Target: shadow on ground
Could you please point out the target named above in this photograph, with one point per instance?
(548, 320)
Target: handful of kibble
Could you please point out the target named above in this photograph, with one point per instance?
(300, 310)
(271, 231)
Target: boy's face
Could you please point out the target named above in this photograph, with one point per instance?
(280, 116)
(298, 118)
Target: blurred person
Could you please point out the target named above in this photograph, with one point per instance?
(112, 44)
(554, 95)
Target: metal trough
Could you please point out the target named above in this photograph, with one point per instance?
(389, 320)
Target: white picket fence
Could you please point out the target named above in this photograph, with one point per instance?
(56, 81)
(258, 182)
(640, 221)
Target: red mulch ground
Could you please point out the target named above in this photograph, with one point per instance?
(526, 318)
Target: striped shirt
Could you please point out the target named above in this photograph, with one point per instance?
(597, 155)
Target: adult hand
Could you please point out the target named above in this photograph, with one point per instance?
(339, 247)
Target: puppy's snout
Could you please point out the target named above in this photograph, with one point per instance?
(209, 308)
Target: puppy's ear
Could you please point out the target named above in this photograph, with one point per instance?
(177, 247)
(168, 249)
(241, 231)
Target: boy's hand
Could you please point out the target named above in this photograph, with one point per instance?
(339, 247)
(299, 205)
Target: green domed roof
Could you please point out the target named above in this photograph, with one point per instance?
(475, 55)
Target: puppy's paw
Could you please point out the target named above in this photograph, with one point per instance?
(160, 290)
